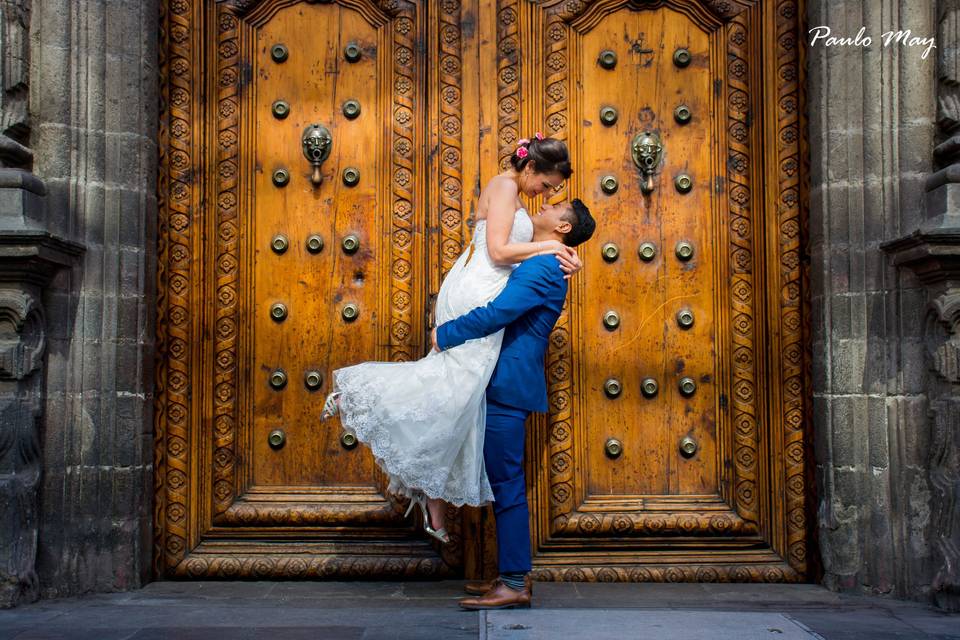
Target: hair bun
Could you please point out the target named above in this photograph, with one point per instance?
(548, 155)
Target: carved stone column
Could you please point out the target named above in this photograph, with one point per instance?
(871, 120)
(29, 257)
(943, 342)
(933, 252)
(93, 110)
(14, 70)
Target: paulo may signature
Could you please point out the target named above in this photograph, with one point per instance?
(903, 38)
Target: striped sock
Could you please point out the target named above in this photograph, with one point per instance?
(514, 579)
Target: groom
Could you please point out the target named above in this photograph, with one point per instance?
(528, 307)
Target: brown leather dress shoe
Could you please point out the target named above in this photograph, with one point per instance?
(500, 597)
(480, 588)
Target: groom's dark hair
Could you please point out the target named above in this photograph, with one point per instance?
(582, 224)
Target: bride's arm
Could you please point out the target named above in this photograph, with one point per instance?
(531, 285)
(500, 215)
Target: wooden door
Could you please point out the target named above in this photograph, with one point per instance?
(278, 269)
(273, 273)
(674, 447)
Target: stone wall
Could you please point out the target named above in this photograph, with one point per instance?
(94, 107)
(872, 133)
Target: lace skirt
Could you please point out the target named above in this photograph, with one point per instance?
(424, 421)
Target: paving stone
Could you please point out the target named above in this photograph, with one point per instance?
(541, 624)
(251, 633)
(771, 595)
(872, 624)
(73, 633)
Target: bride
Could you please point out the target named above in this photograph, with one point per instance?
(424, 421)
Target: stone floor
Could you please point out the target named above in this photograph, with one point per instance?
(398, 611)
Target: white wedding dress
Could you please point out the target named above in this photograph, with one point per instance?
(424, 421)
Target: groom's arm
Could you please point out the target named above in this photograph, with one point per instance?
(529, 286)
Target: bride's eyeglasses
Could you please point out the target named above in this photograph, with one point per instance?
(552, 189)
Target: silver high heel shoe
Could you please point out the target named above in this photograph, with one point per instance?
(330, 406)
(419, 498)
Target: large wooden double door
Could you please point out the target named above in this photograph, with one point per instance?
(320, 164)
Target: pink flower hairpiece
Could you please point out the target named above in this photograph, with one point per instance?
(523, 142)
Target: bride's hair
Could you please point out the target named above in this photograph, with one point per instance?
(548, 156)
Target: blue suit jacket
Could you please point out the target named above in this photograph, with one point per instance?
(527, 308)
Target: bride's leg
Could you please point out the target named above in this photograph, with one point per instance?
(437, 509)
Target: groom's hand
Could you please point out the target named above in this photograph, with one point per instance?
(433, 339)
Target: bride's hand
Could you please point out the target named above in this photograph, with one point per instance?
(569, 260)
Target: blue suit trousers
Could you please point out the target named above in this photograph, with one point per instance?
(503, 457)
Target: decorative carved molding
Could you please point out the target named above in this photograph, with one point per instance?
(230, 228)
(560, 351)
(811, 553)
(449, 97)
(743, 298)
(177, 202)
(753, 572)
(676, 523)
(239, 7)
(260, 11)
(161, 349)
(405, 157)
(569, 10)
(508, 79)
(451, 132)
(305, 567)
(793, 402)
(273, 514)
